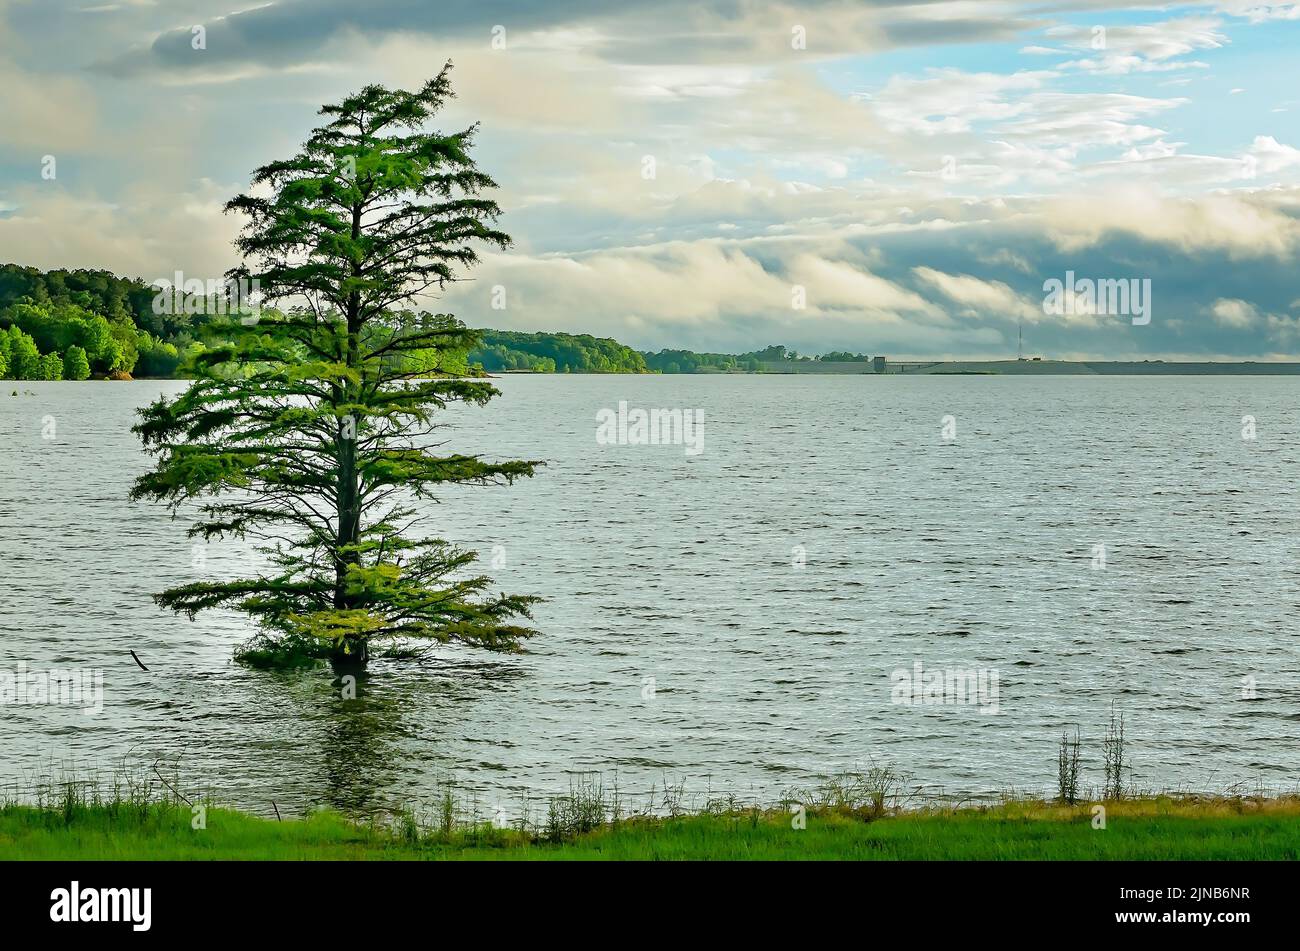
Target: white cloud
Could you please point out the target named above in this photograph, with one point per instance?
(980, 296)
(148, 233)
(1118, 49)
(1271, 156)
(1232, 312)
(950, 100)
(1259, 11)
(1243, 224)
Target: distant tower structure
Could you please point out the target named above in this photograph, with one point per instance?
(1020, 339)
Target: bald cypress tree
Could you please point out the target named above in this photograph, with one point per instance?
(308, 429)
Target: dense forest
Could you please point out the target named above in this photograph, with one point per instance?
(74, 325)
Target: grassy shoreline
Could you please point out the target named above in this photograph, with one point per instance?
(1152, 828)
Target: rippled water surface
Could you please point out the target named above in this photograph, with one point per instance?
(975, 553)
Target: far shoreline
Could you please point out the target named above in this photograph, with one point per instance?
(1022, 367)
(902, 368)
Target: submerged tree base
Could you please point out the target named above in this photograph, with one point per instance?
(264, 652)
(287, 652)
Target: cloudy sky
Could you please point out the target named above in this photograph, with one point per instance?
(673, 172)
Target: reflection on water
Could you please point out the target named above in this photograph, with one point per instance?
(764, 590)
(358, 748)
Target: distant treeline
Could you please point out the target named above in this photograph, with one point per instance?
(77, 324)
(501, 351)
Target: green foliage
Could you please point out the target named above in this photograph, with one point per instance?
(432, 361)
(24, 359)
(110, 318)
(126, 345)
(554, 352)
(51, 367)
(123, 301)
(56, 326)
(289, 652)
(75, 364)
(309, 431)
(157, 358)
(101, 346)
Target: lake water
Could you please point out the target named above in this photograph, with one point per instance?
(730, 619)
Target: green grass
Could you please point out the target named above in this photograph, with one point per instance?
(1153, 828)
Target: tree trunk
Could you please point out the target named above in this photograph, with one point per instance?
(353, 662)
(349, 490)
